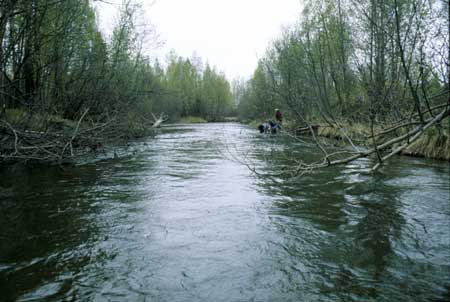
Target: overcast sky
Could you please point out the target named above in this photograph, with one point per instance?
(229, 34)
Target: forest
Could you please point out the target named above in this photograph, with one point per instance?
(64, 83)
(376, 71)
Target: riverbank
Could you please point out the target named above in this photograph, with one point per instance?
(433, 144)
(201, 120)
(35, 139)
(192, 120)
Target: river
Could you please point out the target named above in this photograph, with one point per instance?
(182, 219)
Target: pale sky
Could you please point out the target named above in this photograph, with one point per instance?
(229, 34)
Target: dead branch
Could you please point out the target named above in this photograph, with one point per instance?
(414, 138)
(158, 121)
(69, 143)
(415, 115)
(16, 137)
(410, 136)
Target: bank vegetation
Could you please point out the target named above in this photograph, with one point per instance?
(375, 71)
(66, 87)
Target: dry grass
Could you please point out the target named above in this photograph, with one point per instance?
(36, 122)
(356, 132)
(432, 144)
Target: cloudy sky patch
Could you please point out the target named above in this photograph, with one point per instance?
(229, 34)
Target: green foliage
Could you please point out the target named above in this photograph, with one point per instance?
(55, 62)
(14, 115)
(348, 61)
(192, 120)
(196, 92)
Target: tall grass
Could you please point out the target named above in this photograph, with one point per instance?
(432, 144)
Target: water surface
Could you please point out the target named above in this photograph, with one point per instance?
(184, 219)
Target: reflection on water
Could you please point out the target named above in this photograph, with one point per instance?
(184, 220)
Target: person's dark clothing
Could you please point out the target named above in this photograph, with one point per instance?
(279, 116)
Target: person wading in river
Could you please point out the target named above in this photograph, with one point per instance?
(278, 116)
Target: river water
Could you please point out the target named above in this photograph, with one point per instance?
(183, 219)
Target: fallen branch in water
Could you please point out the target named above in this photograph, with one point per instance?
(69, 143)
(410, 137)
(66, 142)
(158, 121)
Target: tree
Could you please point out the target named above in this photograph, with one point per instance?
(336, 68)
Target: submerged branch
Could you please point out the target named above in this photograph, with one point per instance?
(410, 137)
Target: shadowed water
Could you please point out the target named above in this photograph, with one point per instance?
(184, 220)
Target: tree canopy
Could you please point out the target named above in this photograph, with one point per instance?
(55, 61)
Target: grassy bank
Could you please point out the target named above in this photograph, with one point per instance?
(192, 120)
(433, 144)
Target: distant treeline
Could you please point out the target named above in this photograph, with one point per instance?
(192, 90)
(355, 61)
(54, 61)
